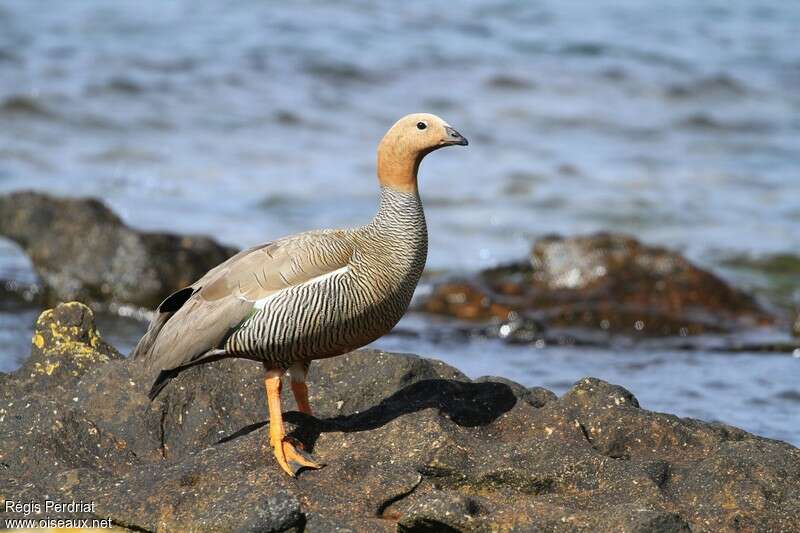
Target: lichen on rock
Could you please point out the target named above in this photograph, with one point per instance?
(64, 346)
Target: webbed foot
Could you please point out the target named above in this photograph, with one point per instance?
(291, 457)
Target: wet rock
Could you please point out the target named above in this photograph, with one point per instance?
(81, 250)
(465, 300)
(411, 444)
(604, 282)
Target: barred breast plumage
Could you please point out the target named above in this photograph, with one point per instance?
(308, 296)
(349, 307)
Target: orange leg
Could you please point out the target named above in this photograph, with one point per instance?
(298, 371)
(300, 390)
(289, 458)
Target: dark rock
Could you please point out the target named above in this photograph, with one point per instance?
(441, 511)
(81, 250)
(603, 282)
(410, 444)
(646, 521)
(278, 512)
(796, 327)
(536, 396)
(539, 396)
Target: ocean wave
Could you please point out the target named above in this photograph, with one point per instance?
(509, 82)
(25, 156)
(125, 154)
(338, 71)
(20, 105)
(165, 65)
(702, 121)
(7, 56)
(718, 86)
(118, 84)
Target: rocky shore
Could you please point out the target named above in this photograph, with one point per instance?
(411, 444)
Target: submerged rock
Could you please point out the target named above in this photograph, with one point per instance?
(410, 444)
(81, 250)
(606, 282)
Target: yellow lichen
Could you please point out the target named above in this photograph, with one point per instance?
(38, 341)
(61, 341)
(45, 316)
(47, 368)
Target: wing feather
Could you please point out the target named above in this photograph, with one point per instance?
(223, 298)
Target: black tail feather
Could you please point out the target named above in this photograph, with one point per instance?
(163, 379)
(165, 376)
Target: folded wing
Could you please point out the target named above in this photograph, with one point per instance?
(193, 323)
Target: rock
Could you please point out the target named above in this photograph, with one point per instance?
(65, 345)
(411, 444)
(796, 327)
(605, 282)
(536, 396)
(466, 300)
(81, 250)
(445, 511)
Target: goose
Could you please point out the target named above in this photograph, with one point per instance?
(308, 296)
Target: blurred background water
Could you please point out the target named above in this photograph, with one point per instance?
(248, 120)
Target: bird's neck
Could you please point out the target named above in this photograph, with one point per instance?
(396, 241)
(398, 232)
(398, 229)
(397, 168)
(400, 212)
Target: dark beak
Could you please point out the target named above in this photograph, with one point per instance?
(453, 137)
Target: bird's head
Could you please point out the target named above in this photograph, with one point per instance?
(405, 144)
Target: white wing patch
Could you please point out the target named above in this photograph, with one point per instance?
(262, 303)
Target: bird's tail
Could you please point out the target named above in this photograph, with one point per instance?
(163, 379)
(164, 312)
(145, 344)
(165, 376)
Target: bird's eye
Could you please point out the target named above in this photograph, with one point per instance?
(421, 125)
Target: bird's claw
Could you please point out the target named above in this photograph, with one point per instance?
(291, 457)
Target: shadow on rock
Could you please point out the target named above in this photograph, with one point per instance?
(466, 404)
